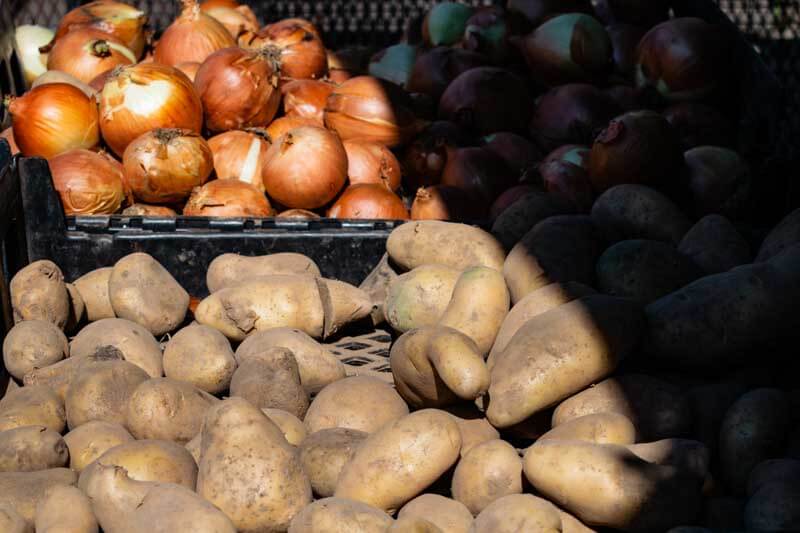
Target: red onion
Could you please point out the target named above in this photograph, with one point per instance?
(445, 23)
(426, 155)
(624, 39)
(435, 69)
(577, 154)
(477, 171)
(516, 151)
(700, 125)
(508, 198)
(537, 11)
(487, 33)
(572, 181)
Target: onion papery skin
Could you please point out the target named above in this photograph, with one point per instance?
(240, 155)
(572, 181)
(434, 69)
(193, 36)
(299, 214)
(302, 54)
(307, 99)
(577, 154)
(239, 88)
(508, 198)
(306, 168)
(189, 68)
(124, 22)
(87, 53)
(143, 97)
(444, 24)
(165, 165)
(516, 151)
(372, 163)
(719, 181)
(56, 76)
(54, 118)
(227, 198)
(647, 13)
(394, 64)
(700, 125)
(487, 32)
(477, 171)
(624, 40)
(28, 41)
(89, 183)
(282, 125)
(369, 201)
(145, 210)
(442, 202)
(368, 109)
(236, 20)
(537, 11)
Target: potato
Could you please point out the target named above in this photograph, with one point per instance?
(754, 429)
(376, 285)
(600, 428)
(557, 249)
(558, 353)
(570, 524)
(318, 366)
(324, 454)
(359, 402)
(293, 429)
(433, 242)
(472, 425)
(248, 470)
(65, 509)
(518, 512)
(91, 440)
(227, 270)
(401, 459)
(709, 403)
(12, 522)
(22, 491)
(445, 513)
(194, 446)
(59, 376)
(101, 392)
(31, 448)
(413, 524)
(116, 335)
(436, 366)
(77, 308)
(782, 236)
(166, 409)
(38, 292)
(691, 456)
(644, 270)
(608, 485)
(142, 291)
(124, 504)
(202, 356)
(715, 245)
(32, 406)
(773, 471)
(419, 298)
(339, 515)
(524, 214)
(271, 379)
(657, 409)
(486, 473)
(160, 461)
(637, 212)
(93, 288)
(724, 513)
(33, 344)
(774, 507)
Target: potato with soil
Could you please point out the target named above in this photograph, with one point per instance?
(38, 292)
(419, 298)
(33, 344)
(91, 440)
(271, 379)
(59, 376)
(325, 453)
(340, 515)
(126, 339)
(400, 460)
(293, 429)
(31, 448)
(248, 470)
(445, 513)
(22, 491)
(93, 288)
(486, 473)
(413, 524)
(715, 245)
(227, 270)
(690, 456)
(472, 425)
(202, 356)
(362, 403)
(376, 285)
(12, 522)
(600, 428)
(558, 353)
(519, 218)
(518, 512)
(32, 406)
(65, 509)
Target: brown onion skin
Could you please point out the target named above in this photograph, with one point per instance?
(8, 135)
(282, 125)
(473, 101)
(56, 76)
(189, 68)
(240, 155)
(477, 171)
(508, 198)
(306, 168)
(372, 163)
(307, 99)
(227, 198)
(301, 214)
(624, 39)
(205, 5)
(368, 201)
(54, 118)
(442, 202)
(426, 156)
(645, 12)
(145, 210)
(700, 125)
(236, 20)
(238, 89)
(121, 124)
(193, 36)
(516, 151)
(99, 81)
(303, 56)
(637, 147)
(164, 165)
(434, 69)
(719, 181)
(537, 11)
(85, 53)
(89, 183)
(572, 181)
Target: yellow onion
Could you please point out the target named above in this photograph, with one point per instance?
(241, 155)
(193, 36)
(56, 76)
(302, 214)
(143, 97)
(443, 202)
(227, 198)
(8, 135)
(306, 98)
(303, 56)
(236, 20)
(27, 41)
(369, 201)
(372, 163)
(211, 4)
(239, 88)
(189, 68)
(86, 53)
(52, 119)
(89, 183)
(146, 210)
(165, 165)
(283, 125)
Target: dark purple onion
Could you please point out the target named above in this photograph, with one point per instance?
(700, 125)
(435, 69)
(425, 157)
(508, 198)
(624, 39)
(477, 171)
(577, 154)
(487, 33)
(572, 181)
(644, 12)
(518, 152)
(537, 11)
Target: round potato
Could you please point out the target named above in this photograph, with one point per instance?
(292, 427)
(202, 356)
(31, 448)
(271, 379)
(518, 512)
(38, 292)
(93, 288)
(419, 298)
(126, 339)
(413, 524)
(65, 509)
(227, 270)
(473, 426)
(59, 376)
(325, 453)
(445, 513)
(691, 456)
(89, 441)
(32, 406)
(340, 515)
(486, 473)
(22, 491)
(524, 214)
(601, 428)
(33, 344)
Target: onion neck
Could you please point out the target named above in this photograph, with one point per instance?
(100, 48)
(260, 133)
(190, 9)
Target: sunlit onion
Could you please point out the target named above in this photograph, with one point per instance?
(302, 54)
(236, 20)
(441, 202)
(368, 201)
(8, 135)
(700, 125)
(56, 76)
(27, 41)
(508, 198)
(240, 155)
(227, 198)
(89, 183)
(394, 63)
(189, 68)
(299, 214)
(426, 156)
(445, 23)
(306, 98)
(372, 163)
(193, 36)
(146, 210)
(124, 22)
(86, 53)
(477, 171)
(516, 151)
(347, 63)
(434, 69)
(282, 125)
(205, 5)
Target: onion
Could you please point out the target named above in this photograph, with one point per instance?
(193, 36)
(306, 98)
(164, 165)
(27, 41)
(537, 11)
(347, 62)
(637, 147)
(394, 63)
(645, 12)
(302, 54)
(516, 151)
(236, 20)
(56, 76)
(211, 4)
(627, 98)
(372, 163)
(306, 168)
(189, 68)
(700, 125)
(435, 69)
(145, 210)
(577, 154)
(53, 118)
(477, 171)
(239, 88)
(124, 22)
(88, 183)
(624, 39)
(445, 23)
(283, 125)
(571, 114)
(567, 48)
(227, 198)
(241, 155)
(442, 202)
(368, 109)
(143, 97)
(719, 181)
(87, 53)
(487, 32)
(8, 135)
(339, 76)
(572, 181)
(682, 59)
(369, 201)
(426, 155)
(302, 214)
(509, 198)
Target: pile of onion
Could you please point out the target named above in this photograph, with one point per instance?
(193, 36)
(426, 155)
(445, 22)
(235, 19)
(283, 125)
(372, 163)
(434, 69)
(477, 171)
(89, 183)
(368, 200)
(241, 155)
(516, 151)
(442, 202)
(227, 198)
(306, 99)
(302, 54)
(189, 68)
(87, 53)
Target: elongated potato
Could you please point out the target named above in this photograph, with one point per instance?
(59, 376)
(89, 441)
(129, 340)
(518, 512)
(271, 379)
(691, 456)
(32, 406)
(325, 453)
(600, 428)
(202, 356)
(22, 491)
(419, 298)
(65, 509)
(445, 513)
(292, 427)
(227, 270)
(376, 285)
(31, 448)
(33, 344)
(524, 214)
(38, 292)
(486, 473)
(715, 245)
(401, 459)
(93, 288)
(12, 522)
(340, 515)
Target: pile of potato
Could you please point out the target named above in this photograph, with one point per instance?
(595, 376)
